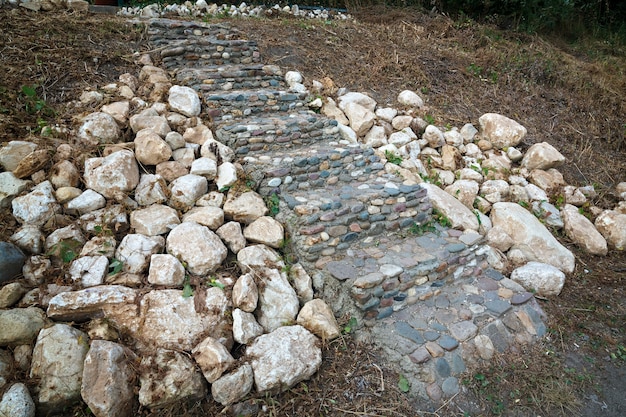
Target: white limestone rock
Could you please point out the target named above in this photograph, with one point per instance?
(460, 216)
(293, 77)
(612, 225)
(10, 187)
(154, 220)
(89, 271)
(232, 234)
(166, 270)
(331, 110)
(169, 320)
(542, 279)
(411, 99)
(358, 98)
(550, 180)
(501, 131)
(317, 317)
(402, 137)
(186, 190)
(245, 293)
(212, 358)
(244, 208)
(169, 377)
(150, 119)
(89, 200)
(214, 149)
(11, 294)
(13, 152)
(347, 133)
(37, 206)
(204, 166)
(465, 191)
(245, 327)
(361, 119)
(582, 231)
(302, 283)
(98, 129)
(434, 137)
(151, 189)
(17, 402)
(283, 358)
(150, 148)
(376, 137)
(135, 251)
(542, 156)
(64, 240)
(234, 386)
(209, 216)
(386, 114)
(574, 195)
(19, 326)
(57, 365)
(226, 175)
(197, 246)
(113, 174)
(119, 110)
(28, 238)
(547, 213)
(278, 303)
(530, 236)
(113, 218)
(109, 379)
(89, 303)
(265, 230)
(184, 100)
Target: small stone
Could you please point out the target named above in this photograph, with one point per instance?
(518, 299)
(341, 270)
(405, 330)
(450, 386)
(498, 307)
(463, 330)
(420, 355)
(448, 343)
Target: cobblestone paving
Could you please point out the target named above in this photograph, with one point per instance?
(424, 294)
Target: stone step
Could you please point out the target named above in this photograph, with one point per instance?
(235, 104)
(280, 133)
(232, 77)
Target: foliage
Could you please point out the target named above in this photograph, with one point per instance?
(115, 266)
(66, 249)
(347, 329)
(187, 289)
(273, 204)
(393, 158)
(34, 104)
(403, 384)
(213, 282)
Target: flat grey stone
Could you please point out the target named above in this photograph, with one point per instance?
(499, 307)
(431, 335)
(405, 330)
(11, 261)
(540, 327)
(341, 270)
(493, 274)
(463, 330)
(442, 301)
(455, 247)
(448, 343)
(438, 327)
(521, 298)
(450, 386)
(456, 363)
(442, 367)
(487, 284)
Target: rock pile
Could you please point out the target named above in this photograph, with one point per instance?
(144, 240)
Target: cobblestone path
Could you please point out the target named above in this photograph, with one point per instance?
(424, 294)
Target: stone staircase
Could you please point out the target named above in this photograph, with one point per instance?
(425, 294)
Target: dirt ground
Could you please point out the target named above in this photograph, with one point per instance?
(568, 94)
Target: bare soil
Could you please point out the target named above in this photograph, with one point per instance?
(568, 94)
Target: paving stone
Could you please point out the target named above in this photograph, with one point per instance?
(434, 392)
(499, 307)
(421, 355)
(522, 298)
(463, 330)
(493, 274)
(448, 343)
(442, 367)
(431, 335)
(405, 330)
(442, 301)
(341, 270)
(450, 386)
(457, 365)
(434, 349)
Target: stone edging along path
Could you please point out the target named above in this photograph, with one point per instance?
(363, 230)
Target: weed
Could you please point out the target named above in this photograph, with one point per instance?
(33, 104)
(403, 384)
(474, 69)
(66, 249)
(347, 329)
(115, 266)
(619, 354)
(213, 282)
(420, 229)
(187, 289)
(273, 204)
(442, 219)
(559, 201)
(429, 119)
(393, 158)
(524, 204)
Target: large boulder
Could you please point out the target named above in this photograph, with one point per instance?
(57, 366)
(184, 100)
(197, 246)
(582, 232)
(99, 128)
(17, 402)
(501, 131)
(283, 358)
(234, 386)
(542, 156)
(36, 207)
(612, 225)
(542, 279)
(109, 379)
(169, 376)
(531, 237)
(459, 215)
(244, 208)
(113, 174)
(20, 326)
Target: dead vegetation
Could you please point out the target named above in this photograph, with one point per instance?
(570, 95)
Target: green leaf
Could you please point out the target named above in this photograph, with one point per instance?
(29, 91)
(351, 324)
(68, 255)
(115, 266)
(187, 290)
(403, 384)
